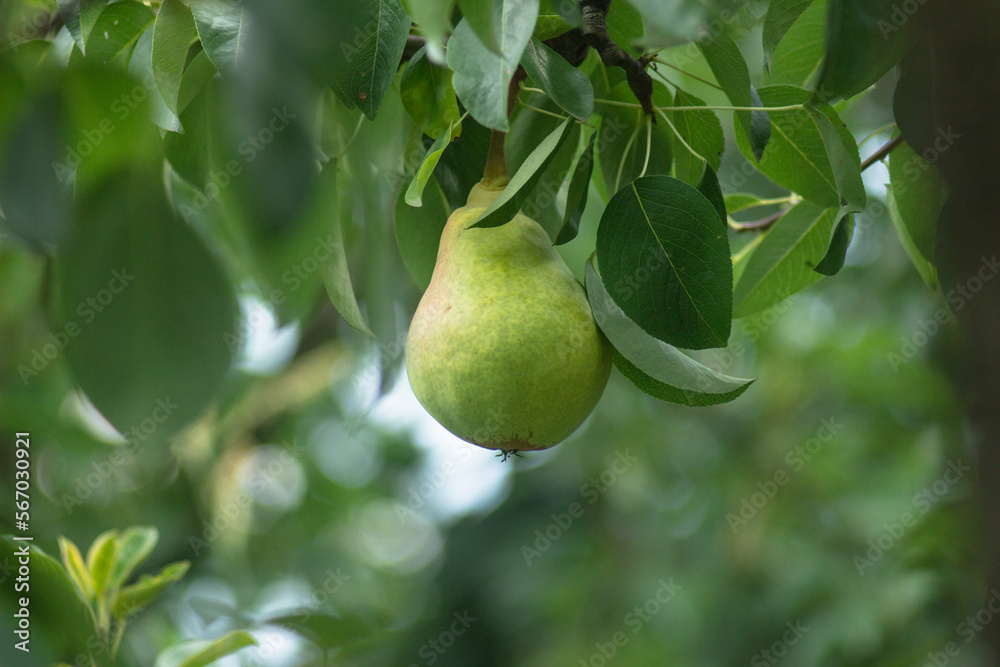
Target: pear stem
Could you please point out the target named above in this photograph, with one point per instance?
(495, 174)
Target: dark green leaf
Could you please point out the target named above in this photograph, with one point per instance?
(118, 26)
(198, 73)
(433, 20)
(418, 232)
(709, 186)
(482, 77)
(784, 261)
(414, 193)
(506, 206)
(370, 63)
(655, 367)
(480, 15)
(80, 17)
(576, 199)
(151, 306)
(918, 192)
(325, 630)
(925, 267)
(799, 58)
(221, 27)
(915, 92)
(564, 84)
(781, 15)
(702, 131)
(666, 262)
(730, 69)
(428, 96)
(625, 26)
(866, 38)
(172, 34)
(462, 163)
(140, 67)
(626, 133)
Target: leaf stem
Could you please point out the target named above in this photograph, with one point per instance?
(543, 111)
(883, 152)
(649, 143)
(628, 147)
(688, 74)
(790, 107)
(680, 138)
(876, 133)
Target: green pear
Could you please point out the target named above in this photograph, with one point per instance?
(503, 349)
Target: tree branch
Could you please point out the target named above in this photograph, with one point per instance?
(881, 153)
(595, 34)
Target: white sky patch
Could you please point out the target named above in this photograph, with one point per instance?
(265, 348)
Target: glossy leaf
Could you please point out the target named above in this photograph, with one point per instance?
(222, 29)
(665, 260)
(140, 67)
(730, 69)
(506, 206)
(428, 96)
(576, 198)
(80, 17)
(784, 261)
(172, 34)
(565, 85)
(116, 29)
(482, 77)
(710, 188)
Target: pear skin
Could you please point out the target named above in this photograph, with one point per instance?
(503, 349)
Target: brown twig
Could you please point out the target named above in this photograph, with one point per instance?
(595, 34)
(883, 152)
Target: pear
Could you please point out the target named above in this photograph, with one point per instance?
(503, 349)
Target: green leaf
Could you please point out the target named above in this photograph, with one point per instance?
(77, 569)
(462, 163)
(730, 69)
(655, 367)
(702, 131)
(202, 652)
(918, 193)
(506, 206)
(418, 232)
(336, 274)
(433, 21)
(37, 206)
(709, 186)
(220, 25)
(482, 77)
(370, 63)
(850, 186)
(80, 17)
(625, 134)
(924, 266)
(625, 26)
(917, 87)
(480, 15)
(101, 560)
(796, 157)
(576, 198)
(799, 58)
(781, 15)
(784, 261)
(172, 34)
(324, 630)
(865, 39)
(564, 84)
(198, 73)
(414, 193)
(428, 96)
(118, 26)
(152, 351)
(742, 201)
(670, 22)
(136, 597)
(61, 620)
(140, 67)
(665, 259)
(134, 545)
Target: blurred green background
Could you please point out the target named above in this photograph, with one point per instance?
(824, 518)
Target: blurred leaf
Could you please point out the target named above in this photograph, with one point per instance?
(336, 274)
(101, 560)
(784, 262)
(134, 545)
(480, 16)
(669, 23)
(665, 260)
(324, 630)
(655, 367)
(433, 19)
(781, 15)
(576, 198)
(366, 67)
(151, 306)
(799, 58)
(625, 25)
(172, 34)
(428, 95)
(565, 85)
(505, 207)
(925, 267)
(730, 69)
(918, 192)
(201, 652)
(220, 25)
(140, 68)
(199, 71)
(37, 206)
(80, 17)
(418, 232)
(864, 41)
(118, 26)
(77, 569)
(414, 193)
(796, 157)
(702, 131)
(136, 597)
(482, 77)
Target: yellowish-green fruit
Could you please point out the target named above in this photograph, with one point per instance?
(503, 350)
